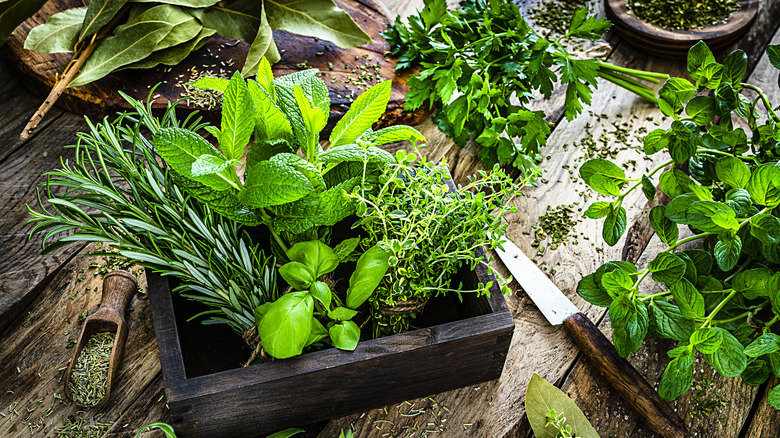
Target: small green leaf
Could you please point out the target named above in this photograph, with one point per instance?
(668, 321)
(727, 251)
(764, 344)
(598, 210)
(630, 323)
(707, 339)
(287, 433)
(701, 109)
(182, 149)
(297, 275)
(689, 300)
(735, 67)
(600, 166)
(761, 185)
(274, 183)
(666, 230)
(677, 377)
(345, 335)
(317, 256)
(657, 140)
(667, 268)
(648, 188)
(765, 228)
(729, 359)
(752, 283)
(711, 216)
(675, 182)
(362, 114)
(345, 248)
(371, 267)
(322, 293)
(285, 328)
(617, 283)
(342, 314)
(733, 171)
(699, 56)
(238, 115)
(774, 394)
(392, 134)
(614, 225)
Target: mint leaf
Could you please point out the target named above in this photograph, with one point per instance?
(753, 283)
(314, 120)
(393, 134)
(666, 230)
(210, 83)
(689, 300)
(677, 377)
(729, 359)
(667, 268)
(701, 109)
(238, 114)
(656, 140)
(617, 283)
(765, 228)
(733, 171)
(629, 324)
(727, 251)
(675, 182)
(270, 122)
(363, 113)
(614, 225)
(711, 216)
(598, 210)
(761, 185)
(668, 321)
(209, 165)
(648, 188)
(699, 56)
(353, 152)
(181, 148)
(774, 394)
(273, 183)
(734, 68)
(707, 339)
(677, 208)
(604, 168)
(592, 291)
(764, 344)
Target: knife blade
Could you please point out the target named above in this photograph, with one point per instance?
(620, 374)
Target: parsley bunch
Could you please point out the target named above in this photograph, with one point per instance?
(721, 298)
(482, 63)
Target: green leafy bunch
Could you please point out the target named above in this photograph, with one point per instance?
(481, 65)
(430, 231)
(144, 34)
(294, 196)
(295, 321)
(117, 190)
(722, 295)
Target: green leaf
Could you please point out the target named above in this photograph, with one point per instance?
(181, 148)
(185, 3)
(345, 335)
(739, 200)
(297, 275)
(699, 56)
(175, 54)
(761, 185)
(752, 283)
(183, 27)
(134, 42)
(363, 113)
(614, 225)
(315, 255)
(617, 283)
(711, 76)
(318, 332)
(666, 230)
(656, 140)
(677, 377)
(765, 228)
(263, 46)
(342, 314)
(593, 292)
(733, 171)
(287, 433)
(584, 25)
(165, 427)
(14, 12)
(59, 33)
(600, 166)
(648, 188)
(729, 359)
(209, 165)
(270, 121)
(689, 300)
(371, 267)
(326, 208)
(630, 322)
(316, 18)
(764, 344)
(542, 397)
(727, 251)
(322, 293)
(773, 53)
(212, 83)
(353, 152)
(392, 134)
(675, 182)
(598, 210)
(273, 182)
(239, 20)
(668, 321)
(735, 67)
(774, 394)
(667, 268)
(238, 115)
(98, 14)
(673, 94)
(286, 326)
(711, 216)
(314, 120)
(701, 109)
(707, 339)
(677, 208)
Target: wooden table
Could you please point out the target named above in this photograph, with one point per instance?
(41, 297)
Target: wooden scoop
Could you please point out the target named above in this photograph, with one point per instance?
(118, 289)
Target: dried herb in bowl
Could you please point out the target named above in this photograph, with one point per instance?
(683, 14)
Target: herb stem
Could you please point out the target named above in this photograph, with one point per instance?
(688, 239)
(708, 320)
(725, 154)
(655, 295)
(764, 99)
(649, 76)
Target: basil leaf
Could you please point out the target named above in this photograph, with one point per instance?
(342, 314)
(315, 255)
(667, 268)
(297, 275)
(666, 230)
(322, 293)
(371, 267)
(345, 335)
(287, 324)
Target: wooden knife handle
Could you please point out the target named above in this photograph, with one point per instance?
(626, 380)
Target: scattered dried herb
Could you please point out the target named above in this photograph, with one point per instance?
(79, 427)
(683, 14)
(557, 224)
(556, 15)
(90, 373)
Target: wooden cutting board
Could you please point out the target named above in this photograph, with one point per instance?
(342, 68)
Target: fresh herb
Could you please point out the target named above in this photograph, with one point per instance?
(295, 320)
(481, 64)
(110, 35)
(552, 414)
(430, 232)
(722, 297)
(683, 14)
(88, 379)
(556, 16)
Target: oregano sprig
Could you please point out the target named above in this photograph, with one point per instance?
(721, 284)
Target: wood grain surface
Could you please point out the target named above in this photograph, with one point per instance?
(221, 57)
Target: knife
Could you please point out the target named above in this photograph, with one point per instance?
(620, 374)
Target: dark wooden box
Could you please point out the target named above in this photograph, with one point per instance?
(210, 395)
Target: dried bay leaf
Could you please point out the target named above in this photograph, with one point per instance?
(316, 18)
(176, 54)
(185, 3)
(99, 13)
(133, 44)
(239, 19)
(183, 26)
(59, 34)
(14, 12)
(541, 397)
(262, 46)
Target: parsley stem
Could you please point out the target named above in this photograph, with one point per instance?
(642, 92)
(764, 99)
(646, 75)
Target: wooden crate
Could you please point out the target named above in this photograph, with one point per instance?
(209, 394)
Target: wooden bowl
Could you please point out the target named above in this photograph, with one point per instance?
(657, 41)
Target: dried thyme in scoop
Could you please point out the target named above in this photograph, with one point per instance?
(90, 373)
(683, 14)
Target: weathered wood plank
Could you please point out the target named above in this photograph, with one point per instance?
(35, 354)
